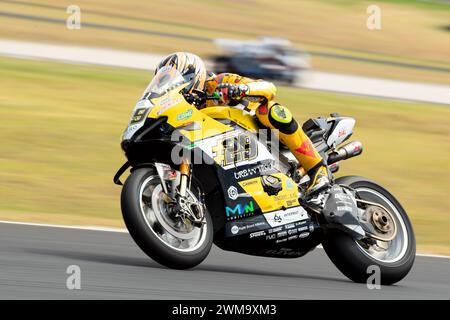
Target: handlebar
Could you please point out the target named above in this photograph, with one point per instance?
(200, 97)
(214, 96)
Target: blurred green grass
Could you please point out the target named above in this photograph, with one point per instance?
(411, 33)
(61, 127)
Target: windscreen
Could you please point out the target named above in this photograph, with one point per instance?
(166, 79)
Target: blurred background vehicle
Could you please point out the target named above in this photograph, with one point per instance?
(265, 58)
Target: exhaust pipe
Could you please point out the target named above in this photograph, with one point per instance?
(350, 150)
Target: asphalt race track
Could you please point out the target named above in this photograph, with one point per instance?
(34, 261)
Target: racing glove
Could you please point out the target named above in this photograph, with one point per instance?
(228, 92)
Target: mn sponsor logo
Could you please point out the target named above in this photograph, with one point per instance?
(240, 209)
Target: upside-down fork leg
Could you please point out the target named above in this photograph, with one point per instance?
(185, 170)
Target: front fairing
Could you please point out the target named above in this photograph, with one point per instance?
(138, 116)
(156, 108)
(162, 93)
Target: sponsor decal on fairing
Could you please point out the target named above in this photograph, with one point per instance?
(233, 193)
(303, 234)
(257, 234)
(282, 217)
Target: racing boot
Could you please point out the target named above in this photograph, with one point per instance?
(319, 180)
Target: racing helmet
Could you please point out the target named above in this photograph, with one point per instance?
(190, 66)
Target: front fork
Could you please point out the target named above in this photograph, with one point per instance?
(169, 179)
(194, 211)
(185, 177)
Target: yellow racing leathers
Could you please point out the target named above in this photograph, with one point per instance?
(233, 87)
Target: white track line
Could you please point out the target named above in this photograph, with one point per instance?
(378, 87)
(78, 54)
(341, 83)
(91, 228)
(120, 230)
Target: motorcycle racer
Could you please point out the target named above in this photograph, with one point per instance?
(257, 96)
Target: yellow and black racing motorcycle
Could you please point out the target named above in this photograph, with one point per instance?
(203, 176)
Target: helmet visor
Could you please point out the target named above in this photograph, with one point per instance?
(165, 80)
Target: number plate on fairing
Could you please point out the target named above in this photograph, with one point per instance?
(138, 117)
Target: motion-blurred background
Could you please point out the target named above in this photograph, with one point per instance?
(61, 120)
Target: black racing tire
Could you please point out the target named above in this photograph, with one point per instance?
(146, 238)
(352, 260)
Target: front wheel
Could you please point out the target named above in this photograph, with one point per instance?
(163, 236)
(354, 258)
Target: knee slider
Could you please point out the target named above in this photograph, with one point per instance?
(281, 118)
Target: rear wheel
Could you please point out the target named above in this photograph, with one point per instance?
(167, 238)
(394, 258)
